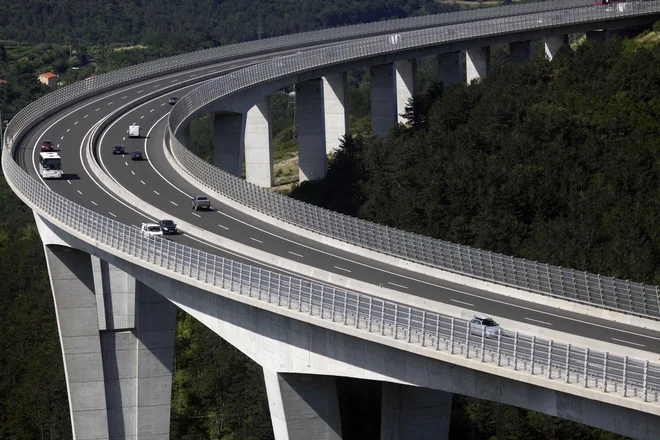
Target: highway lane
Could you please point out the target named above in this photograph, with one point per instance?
(80, 190)
(172, 196)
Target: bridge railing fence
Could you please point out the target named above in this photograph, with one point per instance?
(569, 284)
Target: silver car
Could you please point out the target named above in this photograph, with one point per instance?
(483, 324)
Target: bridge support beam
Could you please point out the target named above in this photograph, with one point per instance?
(383, 99)
(117, 341)
(335, 104)
(406, 85)
(477, 63)
(450, 68)
(303, 406)
(412, 412)
(312, 159)
(228, 142)
(553, 44)
(258, 140)
(520, 51)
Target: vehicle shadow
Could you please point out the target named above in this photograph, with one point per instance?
(70, 176)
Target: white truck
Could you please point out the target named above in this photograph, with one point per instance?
(151, 230)
(134, 131)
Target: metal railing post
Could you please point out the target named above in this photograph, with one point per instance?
(605, 371)
(586, 365)
(568, 361)
(532, 353)
(645, 381)
(550, 360)
(625, 376)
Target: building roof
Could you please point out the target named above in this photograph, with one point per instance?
(48, 75)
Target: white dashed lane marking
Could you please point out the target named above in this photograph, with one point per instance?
(297, 255)
(196, 215)
(152, 110)
(112, 214)
(85, 116)
(341, 268)
(79, 192)
(94, 203)
(69, 182)
(68, 130)
(224, 227)
(397, 285)
(540, 322)
(124, 97)
(97, 109)
(175, 204)
(133, 172)
(156, 192)
(462, 302)
(254, 239)
(142, 182)
(628, 342)
(75, 123)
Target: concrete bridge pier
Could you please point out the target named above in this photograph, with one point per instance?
(335, 106)
(406, 85)
(117, 338)
(477, 63)
(450, 68)
(228, 134)
(383, 99)
(553, 44)
(303, 406)
(409, 412)
(312, 159)
(258, 141)
(520, 51)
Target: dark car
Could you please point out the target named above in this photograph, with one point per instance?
(47, 146)
(173, 100)
(137, 155)
(118, 149)
(167, 226)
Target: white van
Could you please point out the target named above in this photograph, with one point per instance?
(134, 131)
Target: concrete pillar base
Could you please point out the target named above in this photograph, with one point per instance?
(406, 85)
(450, 68)
(119, 379)
(259, 145)
(228, 132)
(520, 51)
(383, 99)
(553, 44)
(414, 413)
(303, 406)
(312, 159)
(335, 104)
(477, 63)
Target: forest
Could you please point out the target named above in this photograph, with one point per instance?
(554, 161)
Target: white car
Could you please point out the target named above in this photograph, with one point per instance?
(151, 230)
(484, 325)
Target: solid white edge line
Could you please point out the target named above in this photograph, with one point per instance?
(536, 320)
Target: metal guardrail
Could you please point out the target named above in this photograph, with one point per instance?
(581, 367)
(574, 285)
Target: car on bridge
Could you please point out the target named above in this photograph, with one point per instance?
(47, 145)
(118, 149)
(484, 325)
(151, 230)
(201, 202)
(173, 100)
(168, 226)
(137, 155)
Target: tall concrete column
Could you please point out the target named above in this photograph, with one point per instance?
(259, 144)
(598, 36)
(520, 51)
(477, 63)
(406, 85)
(450, 68)
(383, 99)
(335, 106)
(409, 412)
(303, 406)
(228, 142)
(312, 159)
(118, 345)
(553, 44)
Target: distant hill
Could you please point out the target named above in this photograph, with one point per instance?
(185, 24)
